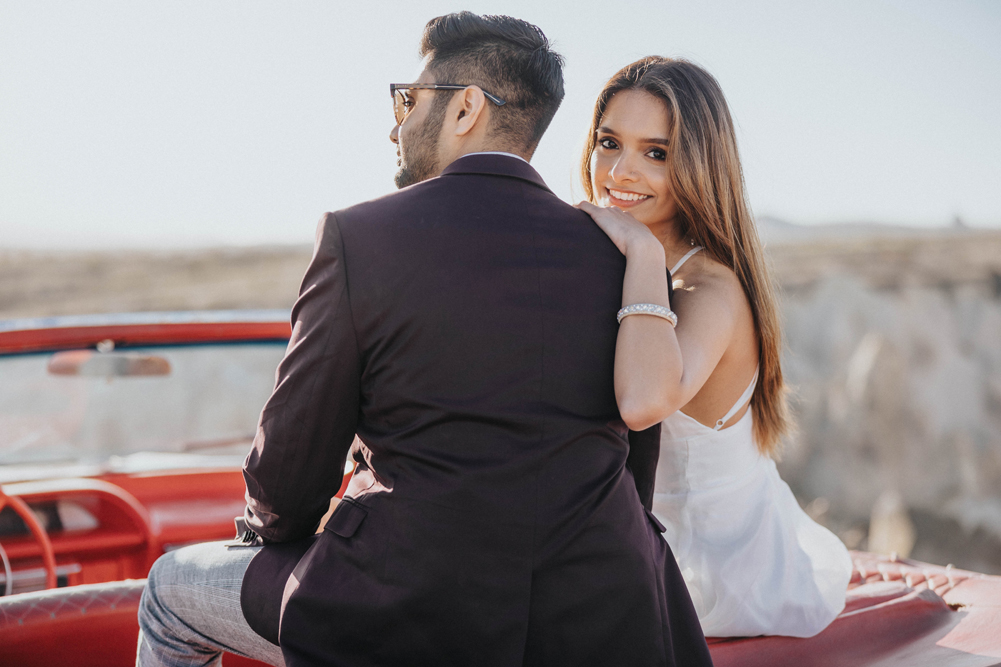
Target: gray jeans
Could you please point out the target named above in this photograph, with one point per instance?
(190, 611)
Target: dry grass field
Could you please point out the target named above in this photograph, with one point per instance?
(37, 284)
(34, 284)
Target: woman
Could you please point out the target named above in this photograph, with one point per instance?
(662, 158)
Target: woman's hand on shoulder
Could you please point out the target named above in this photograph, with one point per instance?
(625, 231)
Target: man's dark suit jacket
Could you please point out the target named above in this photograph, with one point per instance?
(465, 329)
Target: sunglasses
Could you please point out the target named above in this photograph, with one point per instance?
(402, 104)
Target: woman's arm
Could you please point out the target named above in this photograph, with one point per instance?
(659, 369)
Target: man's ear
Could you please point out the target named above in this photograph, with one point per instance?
(470, 110)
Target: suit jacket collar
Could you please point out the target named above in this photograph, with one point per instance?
(495, 165)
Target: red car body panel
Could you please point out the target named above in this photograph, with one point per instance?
(92, 620)
(898, 617)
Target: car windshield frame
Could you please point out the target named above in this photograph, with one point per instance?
(225, 447)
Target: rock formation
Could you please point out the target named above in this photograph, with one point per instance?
(894, 354)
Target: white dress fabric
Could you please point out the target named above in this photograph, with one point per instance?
(754, 562)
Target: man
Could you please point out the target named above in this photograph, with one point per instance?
(464, 329)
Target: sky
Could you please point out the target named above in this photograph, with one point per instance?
(139, 124)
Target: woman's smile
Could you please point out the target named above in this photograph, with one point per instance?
(625, 198)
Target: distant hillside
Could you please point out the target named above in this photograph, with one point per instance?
(36, 284)
(883, 256)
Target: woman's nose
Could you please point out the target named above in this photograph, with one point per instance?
(623, 170)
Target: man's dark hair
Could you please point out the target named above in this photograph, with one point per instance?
(505, 56)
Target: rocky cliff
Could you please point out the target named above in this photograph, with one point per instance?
(894, 353)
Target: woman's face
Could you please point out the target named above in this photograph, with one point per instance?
(629, 164)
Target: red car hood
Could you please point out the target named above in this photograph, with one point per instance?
(898, 612)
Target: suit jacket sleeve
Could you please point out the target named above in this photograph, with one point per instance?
(307, 426)
(644, 452)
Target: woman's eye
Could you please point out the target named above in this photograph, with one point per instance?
(658, 154)
(607, 143)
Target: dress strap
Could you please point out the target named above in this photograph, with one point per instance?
(685, 258)
(744, 398)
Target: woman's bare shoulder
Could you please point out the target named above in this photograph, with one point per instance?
(703, 277)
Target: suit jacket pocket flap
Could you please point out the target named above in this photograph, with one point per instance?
(346, 518)
(654, 520)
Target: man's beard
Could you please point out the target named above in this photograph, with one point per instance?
(421, 160)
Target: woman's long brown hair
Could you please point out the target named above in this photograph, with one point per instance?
(708, 184)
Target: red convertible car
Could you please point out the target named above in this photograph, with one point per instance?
(122, 437)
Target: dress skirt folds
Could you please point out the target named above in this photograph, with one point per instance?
(754, 562)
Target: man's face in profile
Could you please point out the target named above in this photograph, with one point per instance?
(417, 137)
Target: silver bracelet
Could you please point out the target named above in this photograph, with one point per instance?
(648, 309)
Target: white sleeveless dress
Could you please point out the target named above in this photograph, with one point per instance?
(754, 562)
